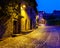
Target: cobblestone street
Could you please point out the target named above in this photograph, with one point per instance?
(42, 37)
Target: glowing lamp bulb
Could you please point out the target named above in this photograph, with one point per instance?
(24, 6)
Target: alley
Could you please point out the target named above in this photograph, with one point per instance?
(42, 37)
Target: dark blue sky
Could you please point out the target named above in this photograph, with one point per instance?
(48, 5)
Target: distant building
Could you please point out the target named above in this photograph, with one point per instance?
(41, 19)
(56, 13)
(41, 13)
(52, 18)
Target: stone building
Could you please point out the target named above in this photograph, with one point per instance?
(17, 17)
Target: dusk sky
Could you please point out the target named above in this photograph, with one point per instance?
(48, 5)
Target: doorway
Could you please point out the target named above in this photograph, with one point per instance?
(15, 27)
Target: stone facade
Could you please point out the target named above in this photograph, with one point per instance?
(17, 22)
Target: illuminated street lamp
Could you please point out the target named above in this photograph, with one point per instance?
(23, 6)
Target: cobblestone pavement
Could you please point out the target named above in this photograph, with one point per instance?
(42, 37)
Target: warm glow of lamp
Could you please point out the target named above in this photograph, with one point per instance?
(24, 6)
(24, 21)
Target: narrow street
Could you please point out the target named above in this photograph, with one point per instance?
(42, 37)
